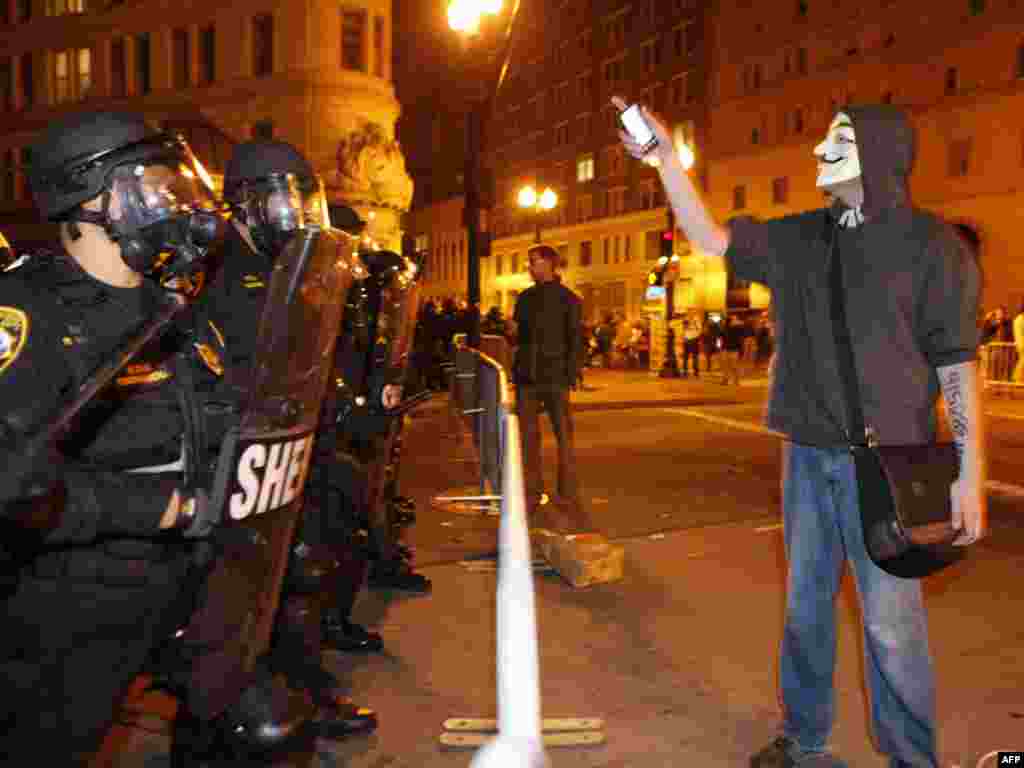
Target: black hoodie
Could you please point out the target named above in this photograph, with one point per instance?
(911, 287)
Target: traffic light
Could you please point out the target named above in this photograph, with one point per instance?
(667, 244)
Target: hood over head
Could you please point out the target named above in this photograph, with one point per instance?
(885, 145)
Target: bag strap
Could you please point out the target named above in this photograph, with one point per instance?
(856, 431)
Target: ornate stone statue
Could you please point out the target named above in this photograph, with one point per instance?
(371, 169)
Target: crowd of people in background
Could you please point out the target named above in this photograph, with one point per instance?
(730, 346)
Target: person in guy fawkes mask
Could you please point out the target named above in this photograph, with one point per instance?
(910, 291)
(273, 190)
(103, 533)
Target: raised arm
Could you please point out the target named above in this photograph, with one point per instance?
(691, 213)
(961, 390)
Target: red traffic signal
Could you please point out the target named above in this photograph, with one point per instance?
(667, 234)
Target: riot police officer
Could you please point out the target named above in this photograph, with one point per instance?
(102, 549)
(371, 360)
(272, 188)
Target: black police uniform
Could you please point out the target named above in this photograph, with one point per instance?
(99, 585)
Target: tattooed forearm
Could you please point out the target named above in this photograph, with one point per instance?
(956, 405)
(961, 390)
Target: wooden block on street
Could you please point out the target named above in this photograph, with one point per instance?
(582, 559)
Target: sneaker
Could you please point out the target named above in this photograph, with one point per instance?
(783, 752)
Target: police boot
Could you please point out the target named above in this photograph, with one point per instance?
(265, 723)
(346, 636)
(338, 717)
(397, 574)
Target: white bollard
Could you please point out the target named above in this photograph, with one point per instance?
(519, 743)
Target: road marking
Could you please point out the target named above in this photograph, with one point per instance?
(725, 421)
(1005, 489)
(993, 486)
(1010, 416)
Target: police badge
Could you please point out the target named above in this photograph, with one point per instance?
(13, 334)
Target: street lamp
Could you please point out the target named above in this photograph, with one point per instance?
(545, 201)
(464, 17)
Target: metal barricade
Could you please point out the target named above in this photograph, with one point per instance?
(480, 399)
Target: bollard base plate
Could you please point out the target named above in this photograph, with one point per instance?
(467, 740)
(548, 724)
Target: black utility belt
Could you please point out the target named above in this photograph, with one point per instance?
(116, 562)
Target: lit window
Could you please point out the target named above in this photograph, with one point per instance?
(84, 72)
(585, 168)
(61, 78)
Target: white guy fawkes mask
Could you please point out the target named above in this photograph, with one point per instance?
(838, 160)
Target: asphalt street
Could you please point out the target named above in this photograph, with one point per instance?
(651, 468)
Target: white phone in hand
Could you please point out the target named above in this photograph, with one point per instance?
(636, 126)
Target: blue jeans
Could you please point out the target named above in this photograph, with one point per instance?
(822, 528)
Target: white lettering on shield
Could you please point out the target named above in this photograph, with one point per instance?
(284, 468)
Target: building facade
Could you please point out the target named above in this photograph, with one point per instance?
(553, 125)
(316, 74)
(760, 84)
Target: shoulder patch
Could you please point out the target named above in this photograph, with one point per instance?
(253, 281)
(13, 334)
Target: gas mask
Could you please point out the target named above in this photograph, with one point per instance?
(274, 210)
(161, 211)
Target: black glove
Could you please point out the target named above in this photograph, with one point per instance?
(196, 517)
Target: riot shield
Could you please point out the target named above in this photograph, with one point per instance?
(395, 308)
(264, 460)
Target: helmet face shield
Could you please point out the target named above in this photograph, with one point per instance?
(282, 205)
(142, 195)
(163, 202)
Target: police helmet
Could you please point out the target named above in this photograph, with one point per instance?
(269, 184)
(156, 196)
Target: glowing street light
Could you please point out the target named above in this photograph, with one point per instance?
(464, 15)
(548, 199)
(545, 201)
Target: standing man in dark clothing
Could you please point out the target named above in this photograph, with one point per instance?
(547, 323)
(105, 532)
(909, 290)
